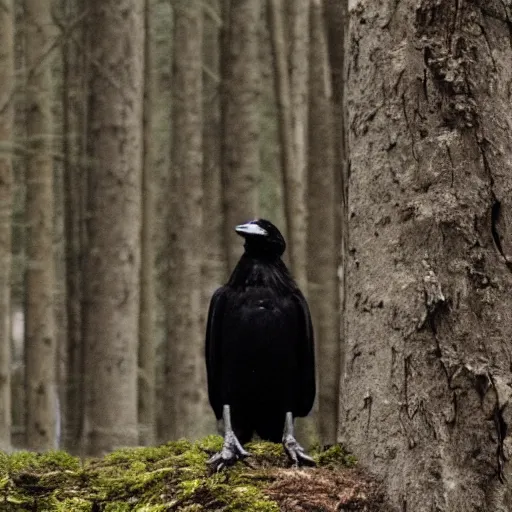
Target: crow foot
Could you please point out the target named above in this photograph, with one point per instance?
(231, 452)
(296, 452)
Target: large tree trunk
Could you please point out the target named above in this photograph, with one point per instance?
(113, 221)
(147, 417)
(40, 344)
(6, 196)
(240, 117)
(187, 375)
(322, 238)
(427, 400)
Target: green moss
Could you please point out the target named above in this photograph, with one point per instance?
(334, 456)
(250, 498)
(73, 504)
(174, 476)
(152, 508)
(47, 461)
(210, 443)
(266, 449)
(117, 507)
(32, 479)
(4, 462)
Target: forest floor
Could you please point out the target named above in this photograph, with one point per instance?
(175, 477)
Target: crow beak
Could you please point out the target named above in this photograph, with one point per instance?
(250, 229)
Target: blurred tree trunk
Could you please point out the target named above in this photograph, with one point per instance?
(112, 270)
(59, 294)
(281, 78)
(271, 175)
(214, 262)
(428, 401)
(73, 123)
(336, 21)
(40, 346)
(167, 416)
(147, 418)
(19, 234)
(7, 85)
(322, 240)
(187, 384)
(214, 253)
(60, 291)
(295, 187)
(241, 88)
(161, 81)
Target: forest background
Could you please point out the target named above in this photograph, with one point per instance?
(377, 135)
(134, 138)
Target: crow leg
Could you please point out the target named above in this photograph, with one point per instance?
(232, 450)
(293, 449)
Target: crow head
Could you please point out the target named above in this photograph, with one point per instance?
(262, 238)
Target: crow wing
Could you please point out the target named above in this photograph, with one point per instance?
(213, 347)
(306, 353)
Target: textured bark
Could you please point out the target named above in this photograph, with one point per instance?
(322, 240)
(187, 375)
(428, 379)
(214, 261)
(336, 21)
(295, 186)
(73, 123)
(40, 341)
(6, 196)
(112, 270)
(147, 416)
(240, 117)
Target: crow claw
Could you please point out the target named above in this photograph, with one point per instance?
(232, 451)
(296, 452)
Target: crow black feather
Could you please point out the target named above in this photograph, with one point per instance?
(259, 341)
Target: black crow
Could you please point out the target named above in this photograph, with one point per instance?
(260, 356)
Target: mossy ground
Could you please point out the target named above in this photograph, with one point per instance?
(175, 477)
